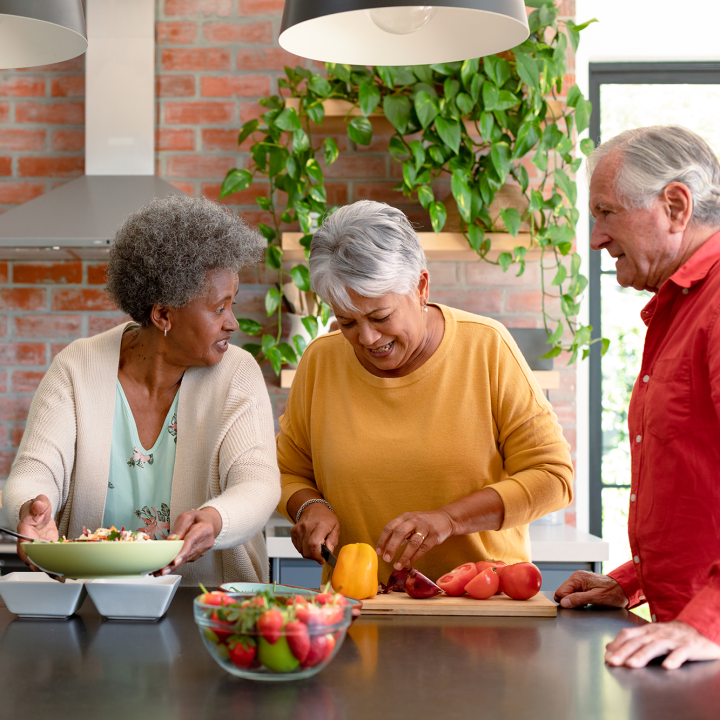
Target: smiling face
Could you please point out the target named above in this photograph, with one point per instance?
(198, 333)
(647, 243)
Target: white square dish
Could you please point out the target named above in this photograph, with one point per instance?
(35, 594)
(146, 598)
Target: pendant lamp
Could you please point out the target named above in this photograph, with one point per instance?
(401, 32)
(40, 32)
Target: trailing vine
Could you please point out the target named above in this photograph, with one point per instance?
(482, 123)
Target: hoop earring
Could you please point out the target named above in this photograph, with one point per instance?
(166, 332)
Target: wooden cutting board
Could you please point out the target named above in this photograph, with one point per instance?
(499, 606)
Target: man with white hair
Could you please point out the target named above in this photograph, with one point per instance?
(655, 197)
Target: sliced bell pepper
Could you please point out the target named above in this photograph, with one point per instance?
(356, 573)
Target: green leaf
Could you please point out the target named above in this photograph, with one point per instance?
(506, 100)
(330, 150)
(292, 167)
(438, 216)
(426, 108)
(465, 103)
(462, 195)
(587, 145)
(425, 195)
(311, 325)
(551, 353)
(397, 111)
(423, 73)
(318, 192)
(566, 185)
(267, 231)
(436, 153)
(301, 277)
(273, 257)
(360, 130)
(449, 132)
(288, 120)
(500, 158)
(538, 3)
(559, 276)
(418, 152)
(475, 86)
(275, 358)
(272, 300)
(468, 71)
(574, 96)
(574, 32)
(505, 260)
(368, 97)
(387, 75)
(511, 219)
(523, 178)
(526, 139)
(316, 112)
(540, 160)
(397, 149)
(339, 71)
(253, 348)
(235, 181)
(301, 142)
(528, 70)
(299, 343)
(268, 341)
(583, 110)
(409, 175)
(450, 88)
(476, 235)
(320, 86)
(287, 353)
(486, 125)
(605, 344)
(249, 327)
(248, 129)
(314, 170)
(555, 337)
(490, 95)
(264, 203)
(552, 135)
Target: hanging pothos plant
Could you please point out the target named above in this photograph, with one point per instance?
(480, 122)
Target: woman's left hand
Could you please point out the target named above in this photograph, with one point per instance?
(198, 528)
(422, 531)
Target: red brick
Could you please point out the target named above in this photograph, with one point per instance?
(97, 274)
(520, 321)
(245, 197)
(186, 187)
(195, 59)
(565, 412)
(22, 354)
(26, 380)
(168, 139)
(250, 299)
(251, 32)
(14, 139)
(48, 326)
(56, 348)
(250, 111)
(6, 461)
(5, 166)
(68, 140)
(356, 166)
(199, 166)
(78, 300)
(271, 58)
(68, 167)
(3, 388)
(484, 274)
(72, 113)
(68, 86)
(20, 192)
(16, 434)
(216, 139)
(378, 191)
(337, 193)
(234, 86)
(60, 272)
(22, 86)
(98, 324)
(260, 7)
(571, 438)
(523, 301)
(195, 7)
(178, 33)
(3, 269)
(22, 299)
(199, 113)
(443, 273)
(4, 437)
(175, 85)
(4, 112)
(474, 301)
(74, 64)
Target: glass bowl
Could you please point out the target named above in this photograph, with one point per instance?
(231, 635)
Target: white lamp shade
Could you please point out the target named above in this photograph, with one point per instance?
(342, 31)
(40, 32)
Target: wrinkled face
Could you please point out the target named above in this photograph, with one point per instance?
(386, 333)
(641, 241)
(199, 332)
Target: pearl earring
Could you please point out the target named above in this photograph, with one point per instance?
(425, 308)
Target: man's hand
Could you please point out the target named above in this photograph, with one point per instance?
(36, 521)
(317, 525)
(635, 647)
(198, 528)
(586, 588)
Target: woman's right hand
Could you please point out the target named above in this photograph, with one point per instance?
(318, 525)
(36, 520)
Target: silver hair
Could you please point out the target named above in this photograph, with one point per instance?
(369, 247)
(164, 252)
(652, 157)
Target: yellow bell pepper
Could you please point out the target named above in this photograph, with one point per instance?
(356, 573)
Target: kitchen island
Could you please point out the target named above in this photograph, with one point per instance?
(399, 667)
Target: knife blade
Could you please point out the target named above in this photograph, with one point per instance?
(327, 556)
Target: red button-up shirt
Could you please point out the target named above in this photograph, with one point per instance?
(674, 421)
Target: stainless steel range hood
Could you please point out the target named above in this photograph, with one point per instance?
(119, 141)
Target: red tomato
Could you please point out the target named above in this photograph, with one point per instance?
(242, 650)
(222, 635)
(454, 582)
(483, 585)
(483, 564)
(520, 581)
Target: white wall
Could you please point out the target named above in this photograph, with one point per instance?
(631, 31)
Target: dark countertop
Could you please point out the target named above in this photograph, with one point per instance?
(404, 667)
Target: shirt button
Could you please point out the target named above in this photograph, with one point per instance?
(646, 378)
(654, 617)
(632, 497)
(685, 292)
(636, 559)
(638, 438)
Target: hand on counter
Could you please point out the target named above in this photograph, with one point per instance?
(318, 525)
(636, 647)
(198, 528)
(36, 520)
(586, 588)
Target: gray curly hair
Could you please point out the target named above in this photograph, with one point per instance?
(164, 252)
(654, 156)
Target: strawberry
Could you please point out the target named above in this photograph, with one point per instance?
(270, 624)
(222, 635)
(324, 598)
(321, 647)
(216, 597)
(242, 650)
(297, 600)
(309, 614)
(331, 614)
(296, 634)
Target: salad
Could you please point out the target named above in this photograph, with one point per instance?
(111, 534)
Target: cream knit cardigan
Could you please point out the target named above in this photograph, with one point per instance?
(225, 457)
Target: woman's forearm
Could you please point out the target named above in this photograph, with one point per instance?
(478, 512)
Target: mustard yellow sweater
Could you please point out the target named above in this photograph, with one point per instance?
(471, 416)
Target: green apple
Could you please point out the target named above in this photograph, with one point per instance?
(277, 657)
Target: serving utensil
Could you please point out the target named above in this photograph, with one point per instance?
(22, 537)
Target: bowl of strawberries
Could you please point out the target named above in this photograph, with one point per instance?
(273, 634)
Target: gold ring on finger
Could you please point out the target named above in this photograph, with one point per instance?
(420, 534)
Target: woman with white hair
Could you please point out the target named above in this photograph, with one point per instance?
(417, 428)
(160, 424)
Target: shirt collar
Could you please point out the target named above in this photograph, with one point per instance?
(699, 264)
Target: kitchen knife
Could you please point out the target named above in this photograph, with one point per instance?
(328, 557)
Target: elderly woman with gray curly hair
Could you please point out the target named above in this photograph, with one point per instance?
(417, 428)
(160, 424)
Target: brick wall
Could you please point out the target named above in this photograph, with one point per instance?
(215, 59)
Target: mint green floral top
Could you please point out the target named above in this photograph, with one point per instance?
(140, 483)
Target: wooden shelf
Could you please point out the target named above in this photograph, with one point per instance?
(548, 379)
(447, 246)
